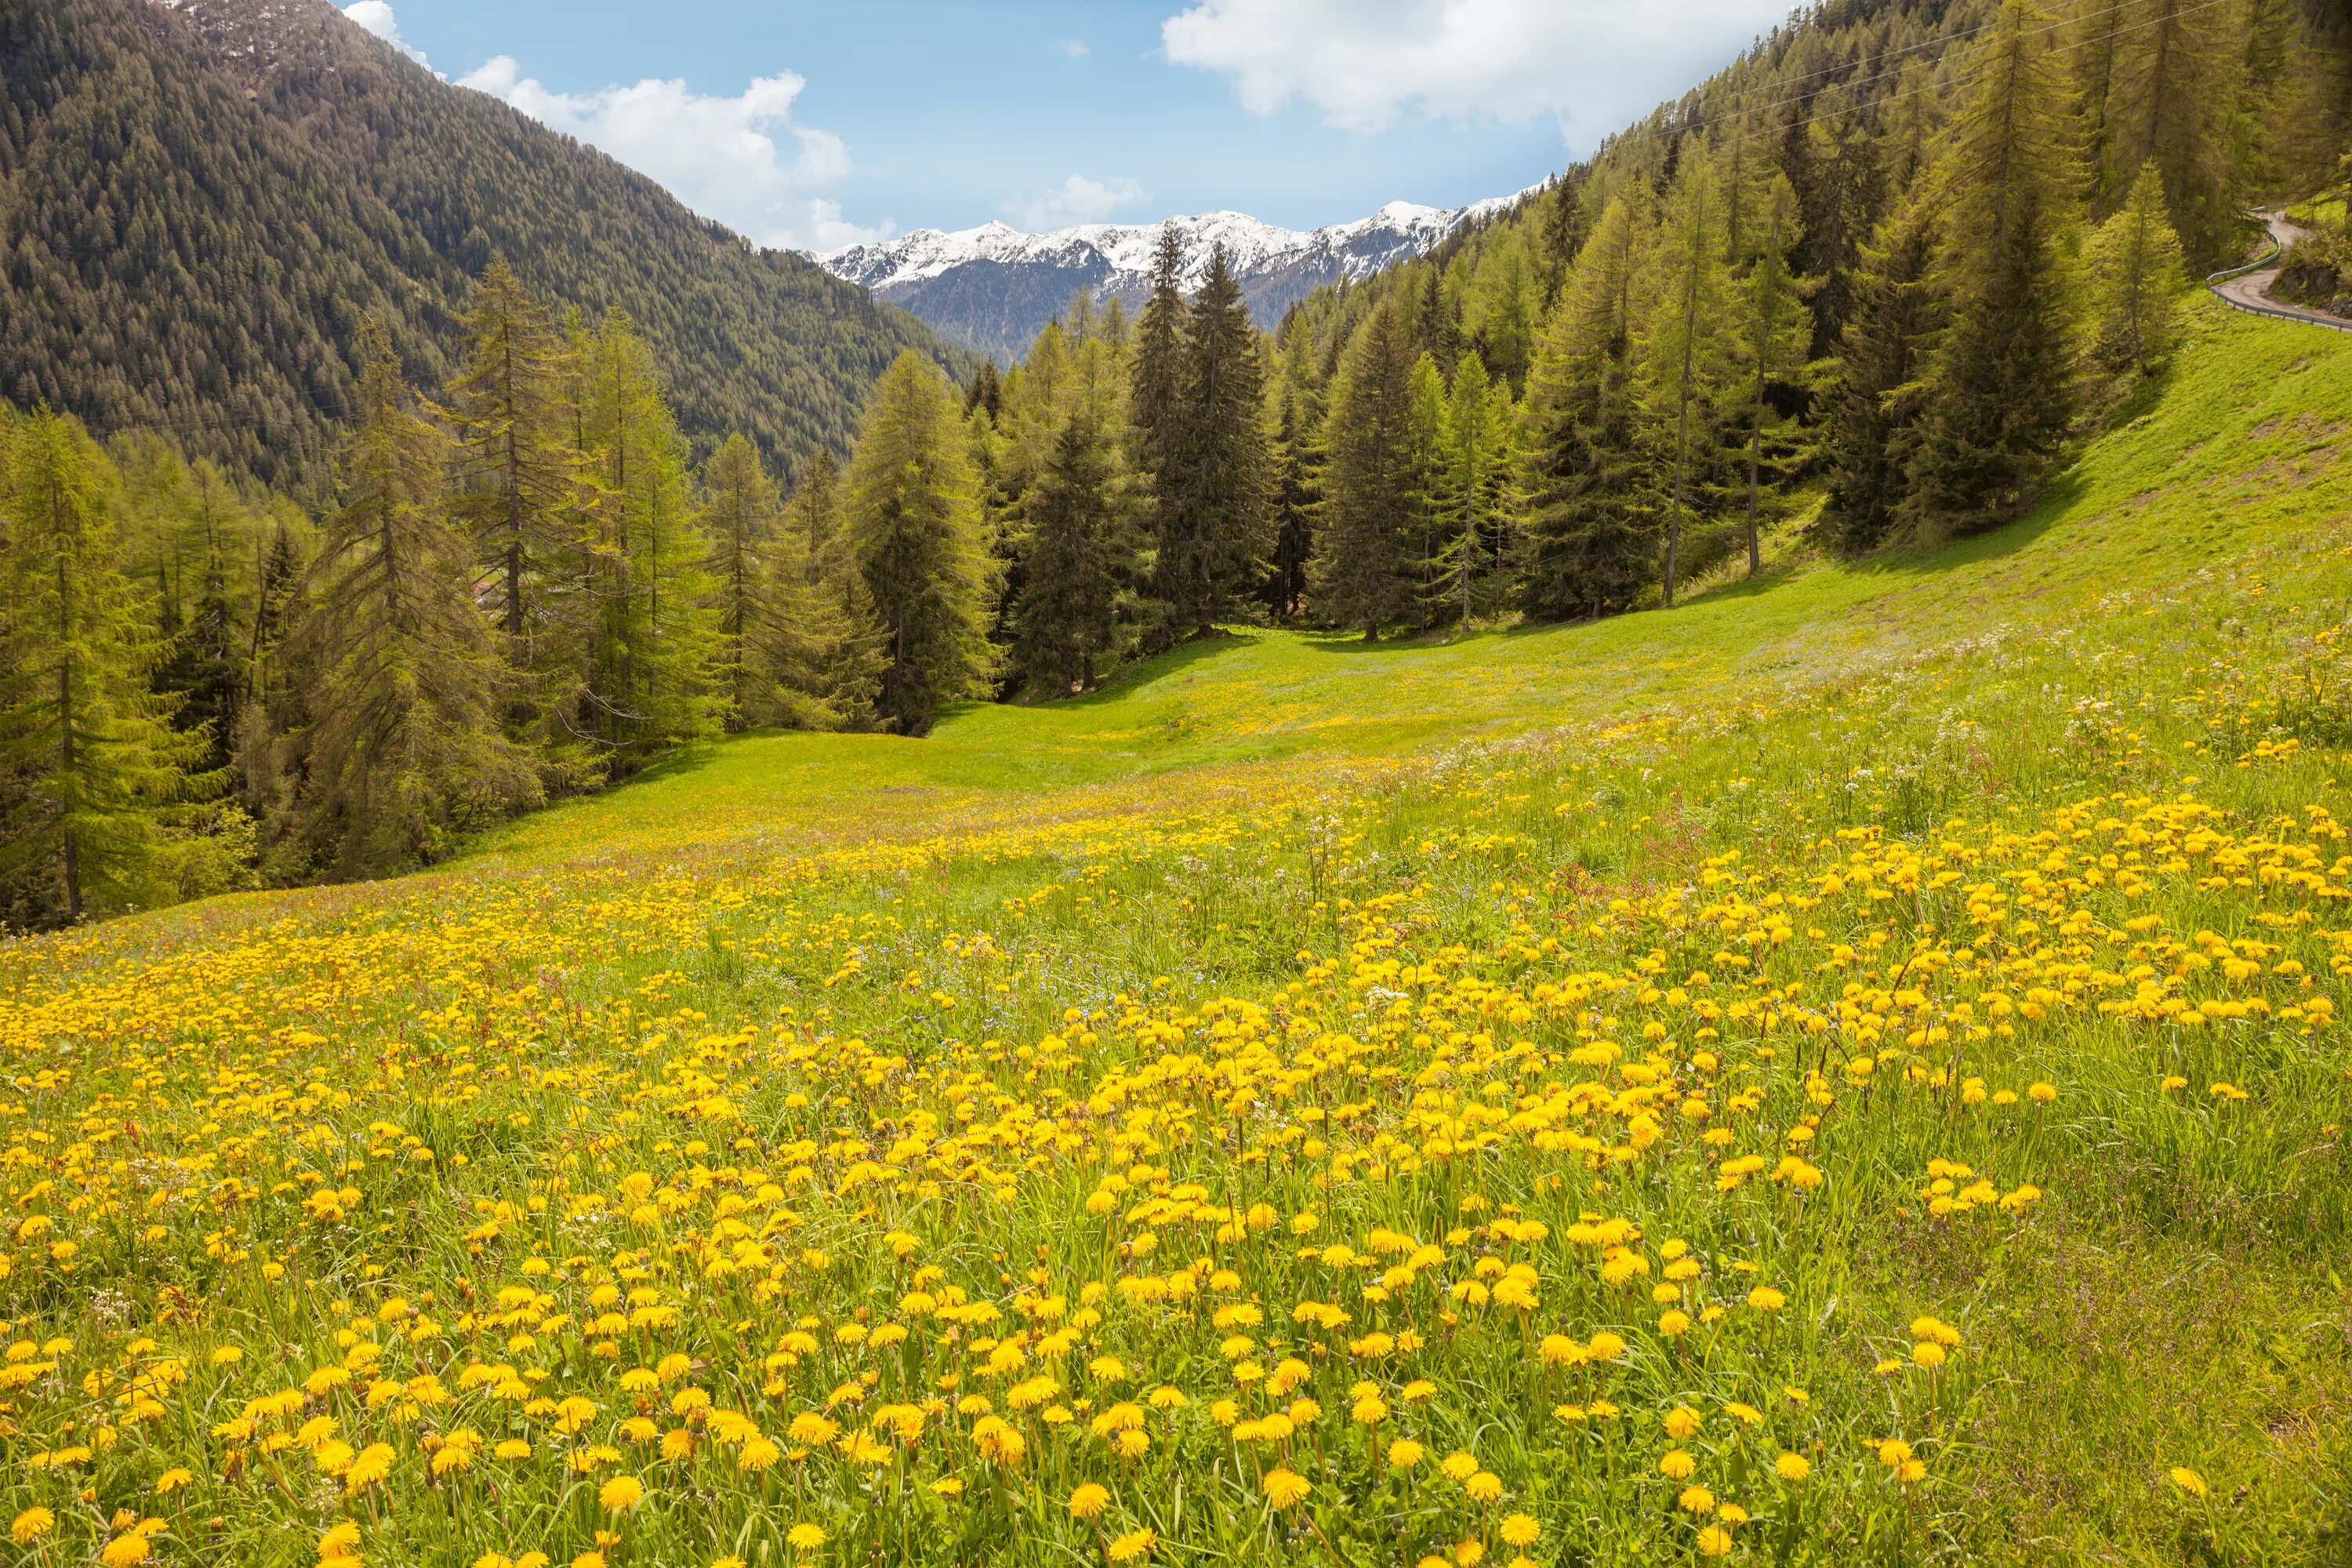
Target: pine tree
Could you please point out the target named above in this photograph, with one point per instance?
(91, 774)
(2001, 386)
(1877, 400)
(2135, 277)
(518, 482)
(404, 749)
(1774, 332)
(1591, 535)
(1075, 617)
(1214, 484)
(1373, 500)
(1685, 339)
(914, 513)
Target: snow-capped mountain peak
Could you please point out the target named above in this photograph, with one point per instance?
(995, 287)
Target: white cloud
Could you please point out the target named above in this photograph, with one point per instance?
(1075, 200)
(376, 16)
(738, 160)
(1077, 49)
(1595, 64)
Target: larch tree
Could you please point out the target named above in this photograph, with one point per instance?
(819, 569)
(519, 478)
(2135, 278)
(759, 639)
(92, 772)
(2170, 105)
(914, 513)
(1773, 334)
(1686, 340)
(1476, 467)
(404, 749)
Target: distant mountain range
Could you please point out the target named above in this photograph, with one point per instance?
(200, 201)
(993, 287)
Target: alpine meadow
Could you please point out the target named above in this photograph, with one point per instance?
(1666, 881)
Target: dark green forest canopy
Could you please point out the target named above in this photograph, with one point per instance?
(191, 233)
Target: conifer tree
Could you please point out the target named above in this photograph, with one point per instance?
(1773, 334)
(2001, 386)
(1426, 440)
(1876, 399)
(1476, 466)
(1213, 483)
(2171, 106)
(1296, 456)
(2135, 277)
(1686, 340)
(757, 639)
(92, 772)
(403, 749)
(1373, 500)
(914, 513)
(1076, 613)
(820, 568)
(1590, 534)
(654, 643)
(1155, 400)
(519, 478)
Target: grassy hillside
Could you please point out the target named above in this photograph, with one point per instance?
(1846, 1070)
(200, 202)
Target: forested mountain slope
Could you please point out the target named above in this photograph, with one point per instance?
(198, 205)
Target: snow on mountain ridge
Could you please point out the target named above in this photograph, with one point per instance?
(1360, 249)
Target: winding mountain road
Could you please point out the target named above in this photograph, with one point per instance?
(2250, 290)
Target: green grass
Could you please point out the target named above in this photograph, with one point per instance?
(1939, 796)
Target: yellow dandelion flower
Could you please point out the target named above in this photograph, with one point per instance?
(1286, 1487)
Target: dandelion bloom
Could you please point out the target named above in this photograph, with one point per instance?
(1681, 1422)
(172, 1480)
(1134, 1545)
(1677, 1465)
(805, 1537)
(1696, 1500)
(1403, 1454)
(1521, 1530)
(620, 1494)
(1765, 1299)
(948, 1486)
(31, 1525)
(1088, 1501)
(1894, 1452)
(1792, 1466)
(589, 1560)
(1286, 1487)
(1715, 1542)
(1605, 1346)
(1484, 1487)
(2181, 1476)
(2042, 1093)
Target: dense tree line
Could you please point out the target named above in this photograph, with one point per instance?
(523, 587)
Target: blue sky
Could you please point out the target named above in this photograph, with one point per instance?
(816, 125)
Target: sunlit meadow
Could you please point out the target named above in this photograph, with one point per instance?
(1850, 1070)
